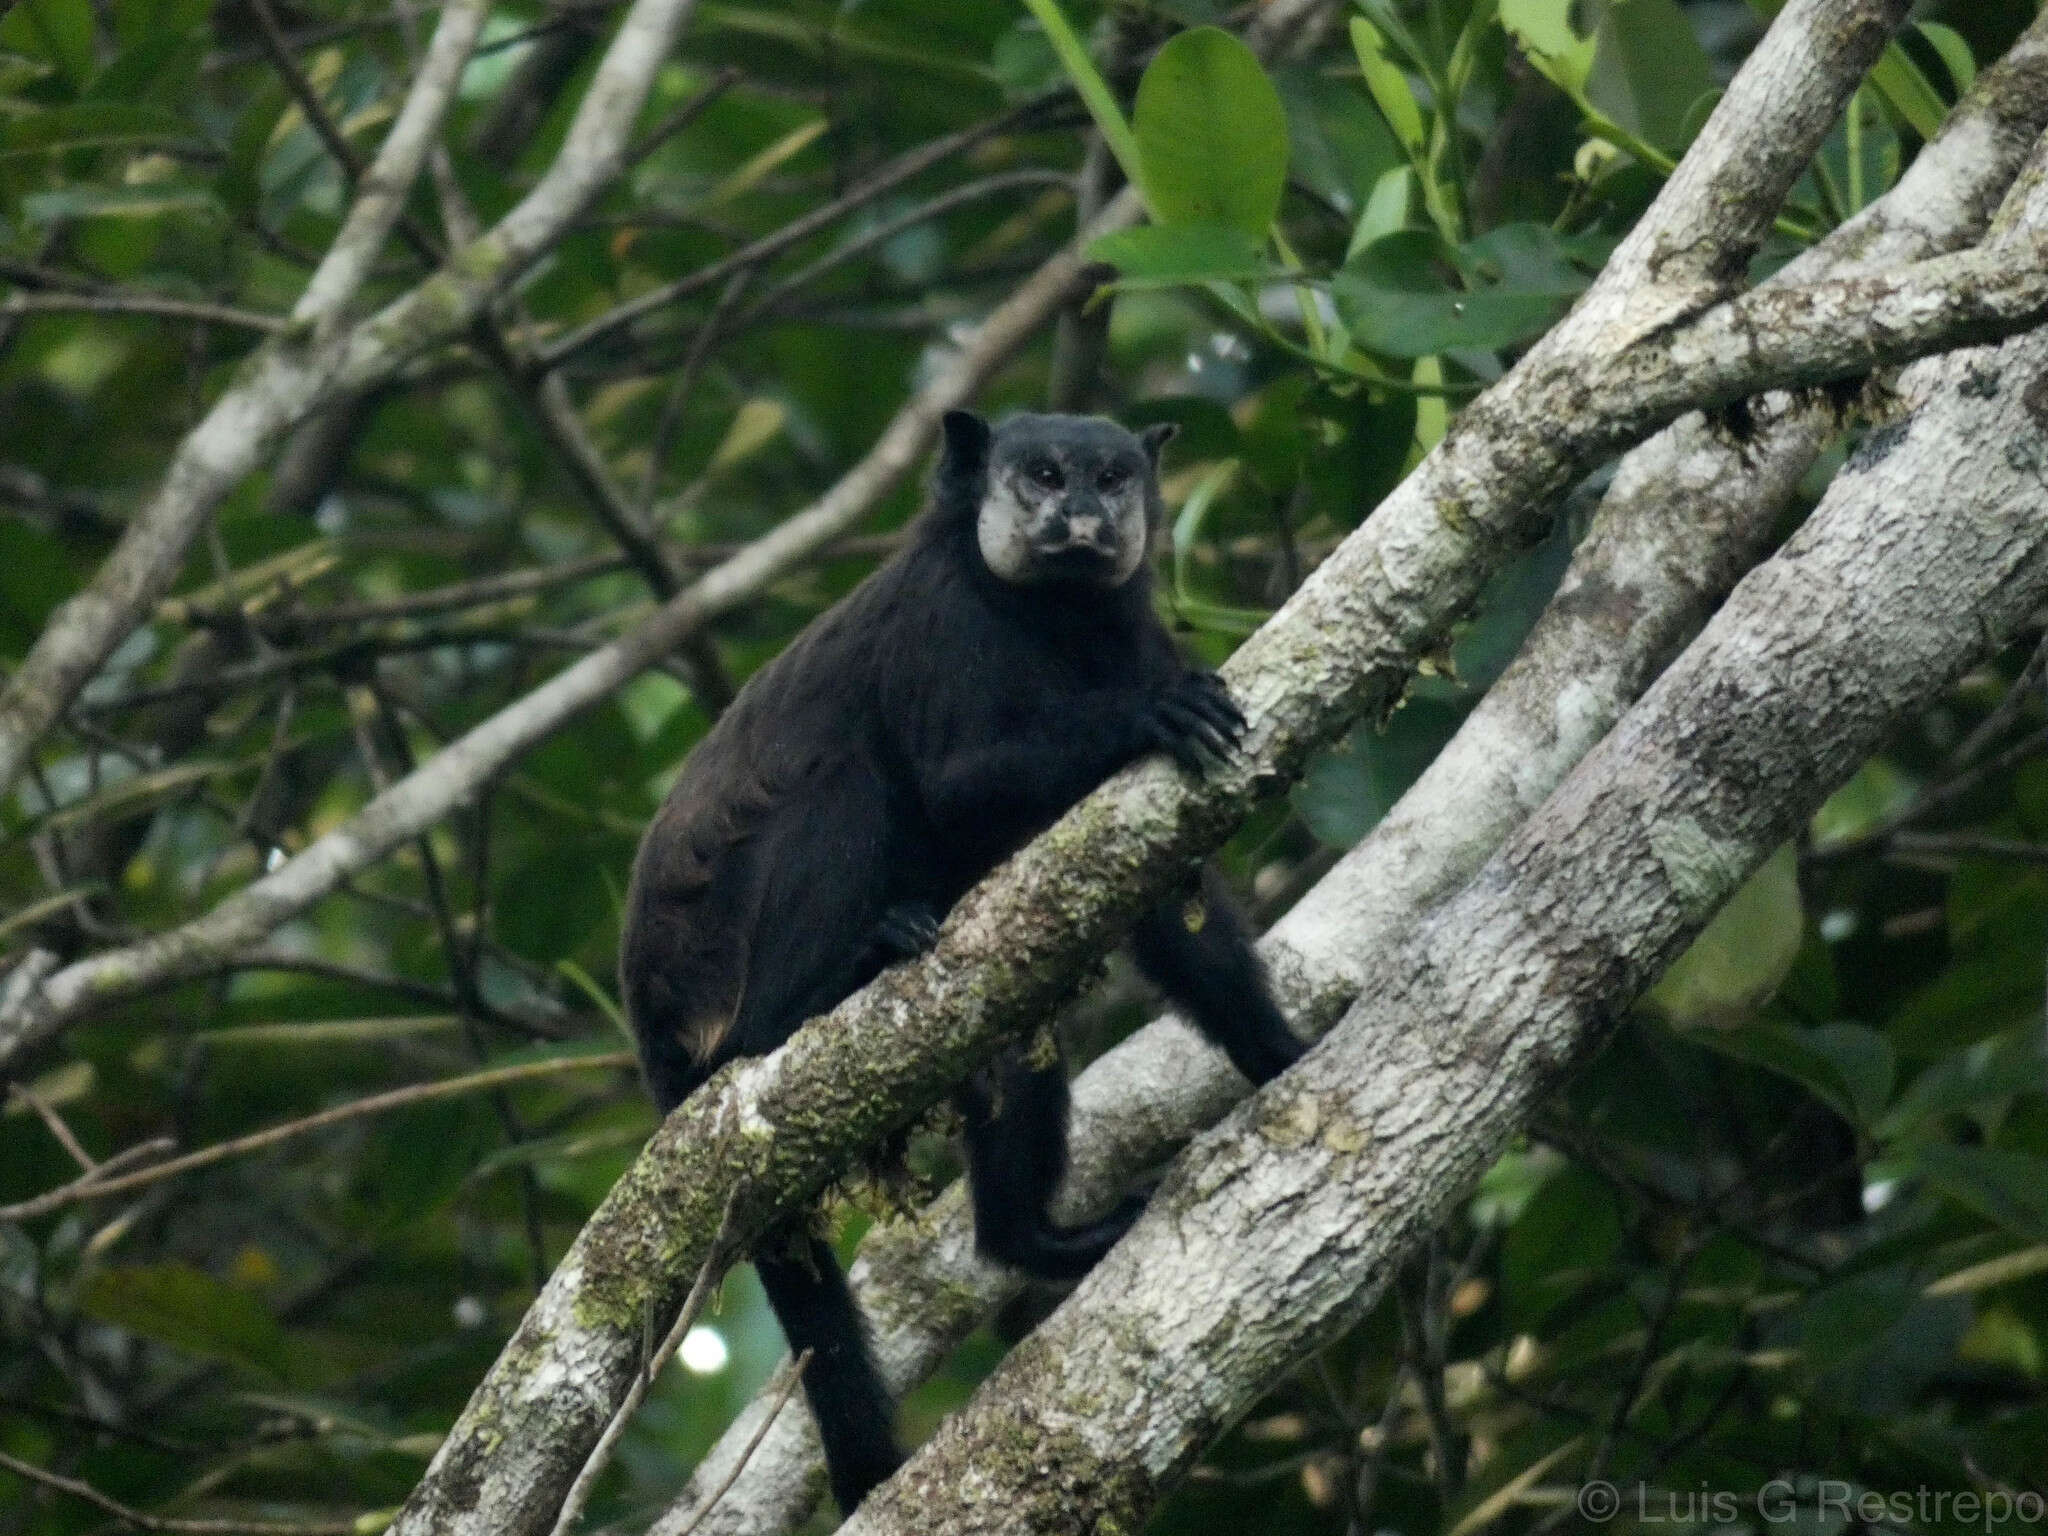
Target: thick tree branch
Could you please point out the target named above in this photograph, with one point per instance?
(1686, 515)
(1281, 1225)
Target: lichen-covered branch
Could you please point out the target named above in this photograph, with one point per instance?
(1281, 1225)
(1687, 514)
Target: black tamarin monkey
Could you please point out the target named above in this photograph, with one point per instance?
(971, 690)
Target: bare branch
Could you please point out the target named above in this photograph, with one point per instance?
(102, 302)
(100, 1181)
(383, 187)
(294, 375)
(85, 1493)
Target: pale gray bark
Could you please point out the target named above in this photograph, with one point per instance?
(1687, 514)
(1281, 1225)
(769, 1133)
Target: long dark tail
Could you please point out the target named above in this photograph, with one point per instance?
(849, 1401)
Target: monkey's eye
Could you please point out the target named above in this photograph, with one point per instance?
(1112, 479)
(1046, 473)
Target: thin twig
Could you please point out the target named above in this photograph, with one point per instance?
(355, 1109)
(142, 304)
(55, 1122)
(86, 1493)
(889, 177)
(783, 1385)
(714, 1266)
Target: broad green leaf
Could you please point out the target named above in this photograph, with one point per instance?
(1544, 29)
(1852, 1317)
(1168, 255)
(1848, 1067)
(58, 31)
(1562, 1239)
(1741, 956)
(189, 1310)
(1648, 70)
(1955, 53)
(1992, 982)
(1388, 83)
(1908, 92)
(1211, 134)
(2007, 1188)
(1410, 294)
(1386, 211)
(89, 202)
(1976, 1076)
(137, 21)
(90, 124)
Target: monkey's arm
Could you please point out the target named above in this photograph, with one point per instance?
(1034, 772)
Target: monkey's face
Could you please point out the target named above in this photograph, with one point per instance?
(1071, 504)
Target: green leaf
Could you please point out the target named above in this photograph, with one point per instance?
(1992, 982)
(60, 31)
(1544, 29)
(1388, 83)
(1648, 70)
(1852, 1317)
(1982, 1074)
(1211, 134)
(1169, 255)
(1567, 1232)
(1848, 1067)
(1955, 53)
(90, 124)
(1398, 296)
(188, 1309)
(1740, 958)
(1908, 92)
(88, 202)
(2007, 1188)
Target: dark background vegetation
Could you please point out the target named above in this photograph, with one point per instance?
(1797, 1214)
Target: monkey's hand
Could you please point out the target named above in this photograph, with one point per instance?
(1195, 721)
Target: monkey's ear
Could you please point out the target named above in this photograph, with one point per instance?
(1156, 437)
(967, 440)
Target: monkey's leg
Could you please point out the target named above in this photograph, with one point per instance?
(851, 1405)
(1016, 1155)
(1196, 949)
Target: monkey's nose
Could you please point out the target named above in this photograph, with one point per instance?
(1087, 530)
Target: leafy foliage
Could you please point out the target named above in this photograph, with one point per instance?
(1792, 1226)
